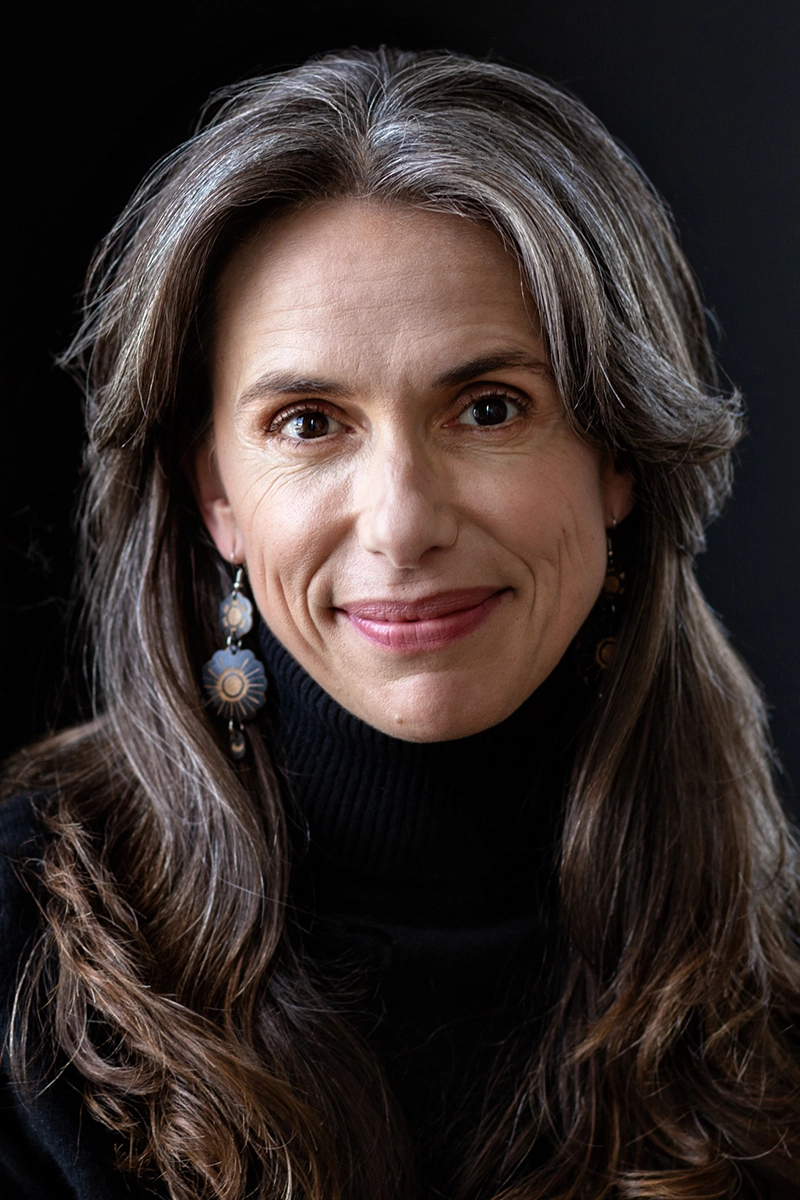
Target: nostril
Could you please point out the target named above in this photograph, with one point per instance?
(405, 530)
(407, 512)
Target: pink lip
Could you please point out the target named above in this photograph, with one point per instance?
(425, 624)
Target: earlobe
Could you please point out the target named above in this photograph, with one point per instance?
(618, 497)
(215, 507)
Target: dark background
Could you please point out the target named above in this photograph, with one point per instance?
(704, 92)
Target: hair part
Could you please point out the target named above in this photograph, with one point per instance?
(666, 1069)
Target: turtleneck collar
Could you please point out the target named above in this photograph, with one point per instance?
(439, 827)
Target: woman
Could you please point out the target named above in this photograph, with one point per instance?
(492, 896)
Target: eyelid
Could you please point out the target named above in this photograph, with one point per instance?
(483, 390)
(468, 395)
(297, 409)
(491, 388)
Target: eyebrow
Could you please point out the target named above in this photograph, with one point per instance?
(285, 383)
(503, 360)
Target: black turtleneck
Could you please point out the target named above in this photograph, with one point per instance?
(424, 887)
(424, 903)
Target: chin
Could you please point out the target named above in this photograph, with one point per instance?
(440, 714)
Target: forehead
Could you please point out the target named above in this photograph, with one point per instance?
(343, 277)
(343, 236)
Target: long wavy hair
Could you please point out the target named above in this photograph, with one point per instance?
(668, 1067)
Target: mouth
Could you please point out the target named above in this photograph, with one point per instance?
(428, 623)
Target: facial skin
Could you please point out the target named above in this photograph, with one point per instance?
(422, 529)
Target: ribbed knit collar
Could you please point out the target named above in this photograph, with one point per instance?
(442, 831)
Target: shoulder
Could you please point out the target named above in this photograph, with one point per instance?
(22, 837)
(21, 841)
(20, 822)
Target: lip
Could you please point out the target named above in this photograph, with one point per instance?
(428, 623)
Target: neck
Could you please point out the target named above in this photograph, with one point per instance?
(450, 832)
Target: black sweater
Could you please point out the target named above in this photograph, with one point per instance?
(425, 871)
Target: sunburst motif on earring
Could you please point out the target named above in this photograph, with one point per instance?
(234, 679)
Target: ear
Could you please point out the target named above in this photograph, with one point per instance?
(215, 507)
(618, 498)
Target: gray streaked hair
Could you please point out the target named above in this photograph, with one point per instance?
(666, 1068)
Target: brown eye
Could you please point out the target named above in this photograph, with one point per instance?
(304, 426)
(489, 410)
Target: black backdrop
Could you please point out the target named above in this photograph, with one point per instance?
(704, 92)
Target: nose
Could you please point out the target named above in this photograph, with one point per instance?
(406, 508)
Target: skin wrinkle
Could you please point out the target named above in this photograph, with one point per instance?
(406, 318)
(672, 825)
(284, 383)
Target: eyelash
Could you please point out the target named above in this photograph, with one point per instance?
(298, 410)
(497, 392)
(491, 392)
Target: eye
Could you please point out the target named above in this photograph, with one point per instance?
(307, 424)
(494, 409)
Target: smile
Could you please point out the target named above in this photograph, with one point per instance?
(429, 623)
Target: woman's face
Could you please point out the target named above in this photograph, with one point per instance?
(422, 529)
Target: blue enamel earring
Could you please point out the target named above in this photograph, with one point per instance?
(234, 679)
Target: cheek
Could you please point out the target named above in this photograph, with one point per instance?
(292, 522)
(549, 512)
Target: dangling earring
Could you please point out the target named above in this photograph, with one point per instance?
(596, 643)
(613, 586)
(234, 679)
